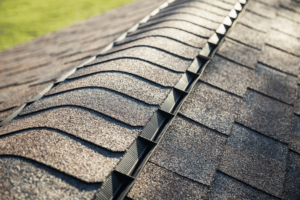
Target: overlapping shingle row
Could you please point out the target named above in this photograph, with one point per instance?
(80, 129)
(237, 134)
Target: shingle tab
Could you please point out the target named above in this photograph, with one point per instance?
(182, 25)
(227, 75)
(109, 103)
(239, 53)
(186, 17)
(127, 84)
(266, 115)
(248, 36)
(158, 183)
(255, 21)
(228, 188)
(292, 183)
(262, 9)
(291, 15)
(275, 84)
(212, 107)
(182, 36)
(287, 26)
(68, 154)
(173, 46)
(255, 159)
(81, 123)
(24, 179)
(190, 150)
(295, 135)
(280, 60)
(149, 54)
(284, 42)
(194, 11)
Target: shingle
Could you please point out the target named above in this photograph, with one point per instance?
(185, 17)
(225, 188)
(293, 5)
(291, 15)
(182, 25)
(212, 107)
(284, 42)
(24, 179)
(190, 150)
(227, 75)
(109, 103)
(194, 11)
(248, 36)
(274, 3)
(219, 4)
(182, 36)
(157, 183)
(201, 5)
(266, 115)
(292, 183)
(173, 46)
(295, 135)
(255, 21)
(262, 9)
(256, 160)
(5, 113)
(280, 60)
(287, 26)
(70, 155)
(239, 53)
(148, 54)
(274, 83)
(81, 123)
(127, 84)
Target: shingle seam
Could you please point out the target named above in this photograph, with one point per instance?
(276, 69)
(288, 52)
(220, 89)
(288, 18)
(263, 94)
(129, 57)
(62, 132)
(251, 27)
(207, 10)
(285, 33)
(247, 184)
(52, 168)
(154, 131)
(233, 61)
(82, 64)
(126, 42)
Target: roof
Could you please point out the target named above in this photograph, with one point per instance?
(188, 106)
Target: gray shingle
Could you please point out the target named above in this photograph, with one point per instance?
(182, 36)
(291, 15)
(287, 26)
(227, 75)
(109, 103)
(173, 46)
(292, 183)
(212, 107)
(274, 83)
(62, 152)
(295, 135)
(280, 60)
(256, 160)
(24, 179)
(190, 150)
(228, 188)
(158, 183)
(239, 53)
(81, 123)
(262, 9)
(267, 116)
(255, 21)
(248, 36)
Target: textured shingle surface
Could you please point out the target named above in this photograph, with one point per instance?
(212, 107)
(190, 150)
(156, 182)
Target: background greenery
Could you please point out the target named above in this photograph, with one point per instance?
(23, 20)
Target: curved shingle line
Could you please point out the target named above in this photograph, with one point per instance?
(80, 122)
(176, 34)
(115, 105)
(63, 152)
(121, 82)
(174, 47)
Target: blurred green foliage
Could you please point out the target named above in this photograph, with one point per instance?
(23, 20)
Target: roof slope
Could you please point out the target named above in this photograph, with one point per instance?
(237, 134)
